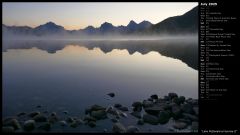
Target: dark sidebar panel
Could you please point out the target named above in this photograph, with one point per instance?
(218, 67)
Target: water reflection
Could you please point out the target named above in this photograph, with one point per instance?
(184, 50)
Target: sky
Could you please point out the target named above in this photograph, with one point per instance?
(74, 16)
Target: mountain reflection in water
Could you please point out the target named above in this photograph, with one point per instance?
(182, 49)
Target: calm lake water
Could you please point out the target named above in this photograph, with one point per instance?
(72, 75)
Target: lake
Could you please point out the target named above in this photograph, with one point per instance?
(72, 75)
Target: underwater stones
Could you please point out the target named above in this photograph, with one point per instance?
(164, 117)
(96, 108)
(111, 94)
(179, 125)
(187, 108)
(74, 124)
(151, 119)
(40, 118)
(118, 128)
(46, 126)
(136, 114)
(140, 122)
(21, 114)
(154, 110)
(65, 112)
(137, 104)
(29, 125)
(92, 124)
(8, 129)
(69, 120)
(63, 123)
(114, 120)
(12, 122)
(132, 129)
(100, 114)
(147, 103)
(32, 114)
(89, 118)
(117, 105)
(123, 108)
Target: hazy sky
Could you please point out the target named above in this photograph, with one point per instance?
(80, 15)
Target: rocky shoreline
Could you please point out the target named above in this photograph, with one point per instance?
(154, 111)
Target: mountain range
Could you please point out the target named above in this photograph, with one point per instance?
(186, 23)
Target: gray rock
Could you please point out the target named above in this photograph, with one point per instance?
(147, 103)
(46, 126)
(8, 129)
(196, 110)
(154, 110)
(114, 120)
(190, 117)
(176, 111)
(92, 124)
(89, 118)
(96, 108)
(179, 100)
(111, 94)
(39, 106)
(136, 114)
(179, 125)
(187, 108)
(140, 122)
(74, 124)
(21, 114)
(63, 123)
(172, 95)
(117, 105)
(137, 104)
(52, 118)
(29, 125)
(151, 119)
(70, 120)
(164, 117)
(132, 129)
(12, 122)
(79, 121)
(118, 128)
(112, 111)
(123, 114)
(32, 114)
(123, 108)
(154, 96)
(40, 118)
(100, 114)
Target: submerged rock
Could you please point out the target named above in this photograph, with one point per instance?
(117, 105)
(32, 114)
(63, 123)
(40, 118)
(111, 94)
(70, 120)
(132, 129)
(12, 122)
(45, 126)
(164, 117)
(179, 125)
(118, 128)
(123, 108)
(114, 120)
(21, 114)
(154, 110)
(89, 118)
(136, 114)
(100, 114)
(147, 103)
(137, 104)
(8, 129)
(151, 119)
(140, 122)
(92, 124)
(29, 125)
(74, 124)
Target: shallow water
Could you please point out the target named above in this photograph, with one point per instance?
(74, 75)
